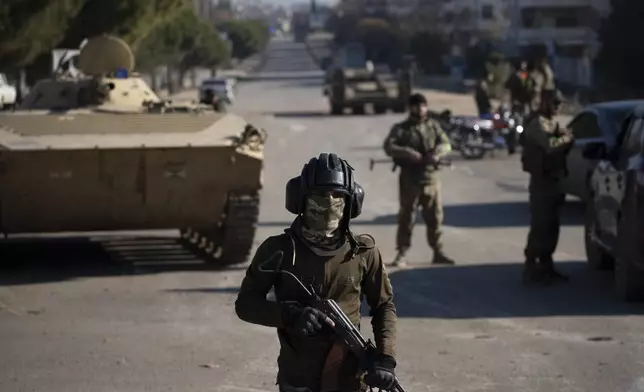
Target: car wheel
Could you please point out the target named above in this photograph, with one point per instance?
(629, 279)
(597, 257)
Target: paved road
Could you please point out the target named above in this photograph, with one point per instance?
(72, 319)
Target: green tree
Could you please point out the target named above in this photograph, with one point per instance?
(130, 20)
(247, 36)
(621, 58)
(30, 28)
(382, 42)
(182, 42)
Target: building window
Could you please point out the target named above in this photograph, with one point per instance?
(487, 12)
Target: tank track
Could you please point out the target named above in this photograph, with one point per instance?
(230, 242)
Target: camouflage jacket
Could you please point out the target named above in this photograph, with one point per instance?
(546, 148)
(303, 360)
(425, 138)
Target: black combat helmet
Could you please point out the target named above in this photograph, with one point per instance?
(417, 99)
(328, 172)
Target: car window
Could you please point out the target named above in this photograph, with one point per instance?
(585, 126)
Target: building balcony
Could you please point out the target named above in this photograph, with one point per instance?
(559, 35)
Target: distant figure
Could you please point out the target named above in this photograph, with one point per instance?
(517, 88)
(541, 81)
(482, 96)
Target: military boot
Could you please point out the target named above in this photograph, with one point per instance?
(441, 258)
(531, 271)
(548, 272)
(400, 260)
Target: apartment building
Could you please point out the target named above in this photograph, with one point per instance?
(475, 18)
(568, 29)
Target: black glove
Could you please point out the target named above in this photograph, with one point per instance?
(380, 373)
(306, 320)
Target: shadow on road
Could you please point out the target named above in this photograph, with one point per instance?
(313, 114)
(491, 291)
(278, 78)
(482, 215)
(293, 114)
(52, 260)
(207, 290)
(501, 214)
(495, 291)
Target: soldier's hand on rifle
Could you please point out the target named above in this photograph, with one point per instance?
(380, 373)
(415, 156)
(431, 158)
(308, 321)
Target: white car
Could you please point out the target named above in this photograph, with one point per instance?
(7, 93)
(221, 86)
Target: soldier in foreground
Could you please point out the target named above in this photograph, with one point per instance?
(416, 146)
(320, 249)
(544, 157)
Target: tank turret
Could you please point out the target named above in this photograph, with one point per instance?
(107, 83)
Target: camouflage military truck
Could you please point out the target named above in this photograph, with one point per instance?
(101, 151)
(353, 82)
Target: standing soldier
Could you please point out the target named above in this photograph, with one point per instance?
(321, 251)
(482, 95)
(416, 146)
(544, 157)
(542, 81)
(517, 87)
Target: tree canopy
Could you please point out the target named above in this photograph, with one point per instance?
(183, 41)
(247, 36)
(621, 58)
(30, 29)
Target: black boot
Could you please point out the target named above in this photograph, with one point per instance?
(531, 271)
(441, 258)
(549, 274)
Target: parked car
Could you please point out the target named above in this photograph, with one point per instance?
(614, 224)
(223, 87)
(7, 93)
(598, 122)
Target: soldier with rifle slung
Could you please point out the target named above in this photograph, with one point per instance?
(319, 249)
(416, 146)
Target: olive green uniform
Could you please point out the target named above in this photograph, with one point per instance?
(419, 184)
(342, 276)
(544, 157)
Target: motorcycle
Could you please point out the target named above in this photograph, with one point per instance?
(509, 125)
(474, 136)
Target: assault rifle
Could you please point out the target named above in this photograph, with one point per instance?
(343, 327)
(373, 162)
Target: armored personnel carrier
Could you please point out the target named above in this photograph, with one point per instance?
(353, 82)
(102, 152)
